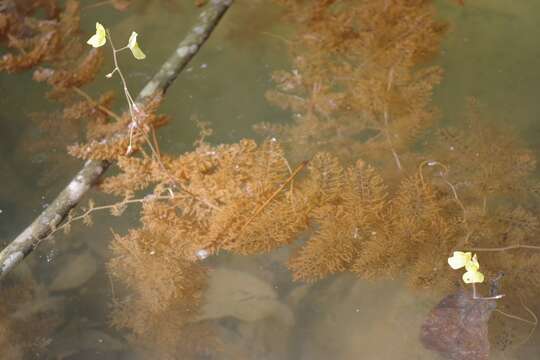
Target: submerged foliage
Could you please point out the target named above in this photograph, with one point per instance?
(347, 175)
(355, 85)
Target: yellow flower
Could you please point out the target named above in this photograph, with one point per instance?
(134, 47)
(459, 259)
(472, 264)
(462, 259)
(99, 38)
(473, 275)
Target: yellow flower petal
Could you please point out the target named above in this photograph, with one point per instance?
(134, 47)
(473, 277)
(132, 39)
(137, 52)
(99, 38)
(473, 264)
(459, 259)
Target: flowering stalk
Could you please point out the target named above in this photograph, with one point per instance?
(99, 39)
(472, 275)
(132, 106)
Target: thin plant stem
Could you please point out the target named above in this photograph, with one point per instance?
(460, 204)
(506, 248)
(389, 140)
(108, 207)
(131, 103)
(477, 297)
(386, 121)
(98, 4)
(515, 317)
(95, 103)
(259, 209)
(276, 36)
(156, 143)
(533, 322)
(135, 123)
(443, 174)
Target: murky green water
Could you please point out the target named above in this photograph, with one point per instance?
(491, 53)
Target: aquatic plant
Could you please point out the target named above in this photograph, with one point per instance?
(360, 87)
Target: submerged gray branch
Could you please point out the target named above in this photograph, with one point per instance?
(92, 170)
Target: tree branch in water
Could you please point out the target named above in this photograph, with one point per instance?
(92, 170)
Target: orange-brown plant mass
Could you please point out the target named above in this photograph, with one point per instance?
(357, 83)
(347, 174)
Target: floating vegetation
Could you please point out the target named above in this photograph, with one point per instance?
(362, 174)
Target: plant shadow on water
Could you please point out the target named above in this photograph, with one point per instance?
(324, 236)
